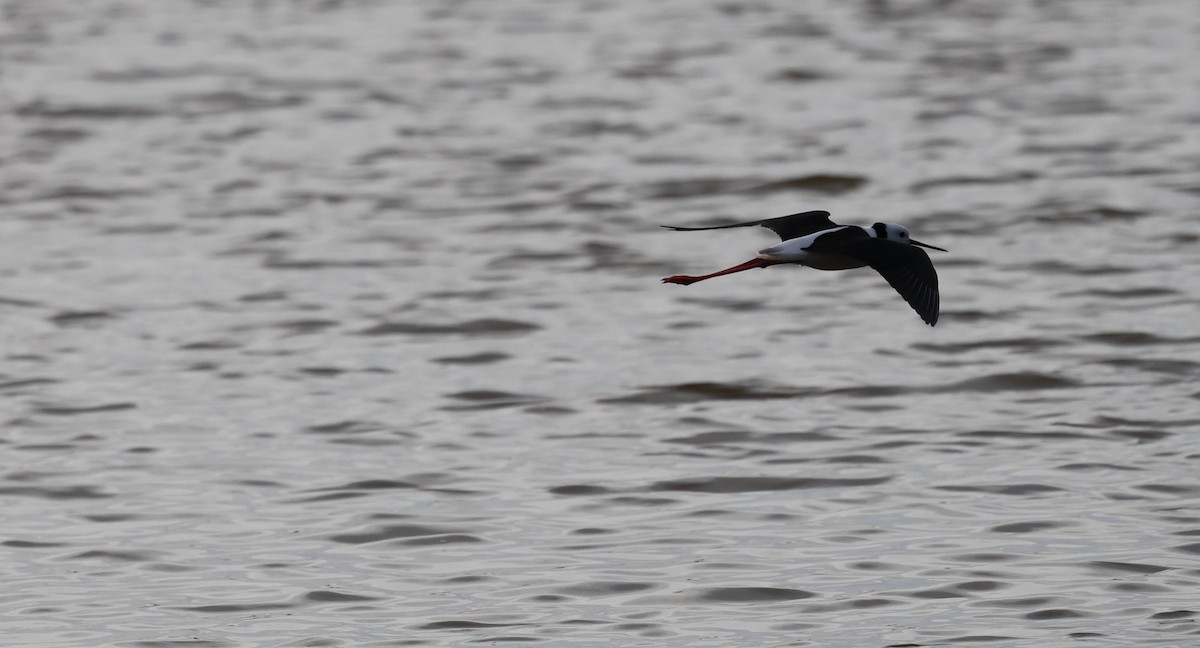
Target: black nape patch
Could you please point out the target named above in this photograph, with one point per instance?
(880, 230)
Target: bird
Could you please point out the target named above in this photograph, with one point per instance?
(811, 239)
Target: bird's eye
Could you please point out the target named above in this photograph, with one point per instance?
(902, 234)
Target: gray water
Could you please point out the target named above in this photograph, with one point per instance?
(340, 324)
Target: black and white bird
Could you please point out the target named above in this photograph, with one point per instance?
(811, 239)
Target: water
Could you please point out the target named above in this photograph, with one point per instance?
(339, 324)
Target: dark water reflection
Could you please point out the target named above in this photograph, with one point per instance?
(339, 324)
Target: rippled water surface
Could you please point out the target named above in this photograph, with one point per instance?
(340, 324)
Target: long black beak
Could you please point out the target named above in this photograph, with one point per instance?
(931, 247)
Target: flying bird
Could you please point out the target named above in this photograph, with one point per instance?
(811, 239)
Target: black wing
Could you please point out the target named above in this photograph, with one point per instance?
(907, 268)
(787, 227)
(837, 240)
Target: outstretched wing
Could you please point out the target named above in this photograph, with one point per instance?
(907, 268)
(787, 227)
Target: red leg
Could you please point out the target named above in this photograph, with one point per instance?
(685, 280)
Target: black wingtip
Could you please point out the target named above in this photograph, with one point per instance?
(932, 309)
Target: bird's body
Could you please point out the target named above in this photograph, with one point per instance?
(811, 239)
(806, 251)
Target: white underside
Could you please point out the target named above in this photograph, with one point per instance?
(792, 251)
(818, 261)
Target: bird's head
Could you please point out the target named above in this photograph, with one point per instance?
(897, 233)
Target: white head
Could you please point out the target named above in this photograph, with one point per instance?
(897, 233)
